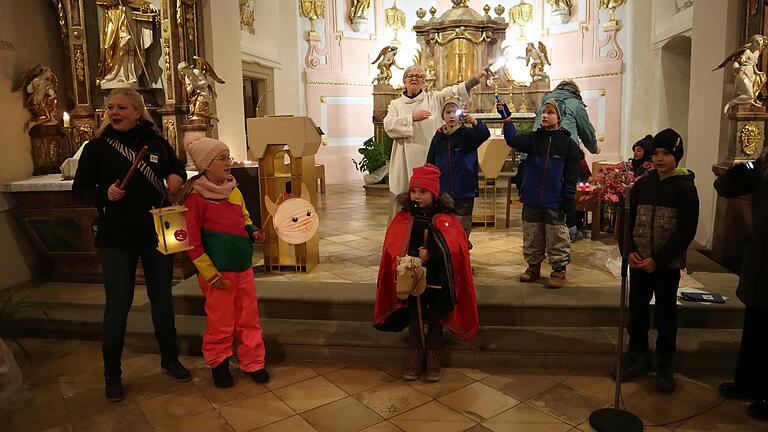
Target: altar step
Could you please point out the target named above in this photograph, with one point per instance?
(356, 341)
(524, 325)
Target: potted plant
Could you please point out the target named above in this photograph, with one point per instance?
(375, 160)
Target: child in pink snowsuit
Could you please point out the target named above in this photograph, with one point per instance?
(221, 234)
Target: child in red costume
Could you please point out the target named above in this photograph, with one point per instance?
(221, 232)
(446, 258)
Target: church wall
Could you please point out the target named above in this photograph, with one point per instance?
(29, 35)
(338, 90)
(660, 92)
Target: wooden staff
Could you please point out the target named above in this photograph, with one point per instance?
(134, 167)
(418, 302)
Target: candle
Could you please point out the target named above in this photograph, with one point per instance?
(67, 122)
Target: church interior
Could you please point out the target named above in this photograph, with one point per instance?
(299, 90)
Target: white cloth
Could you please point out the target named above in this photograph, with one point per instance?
(412, 139)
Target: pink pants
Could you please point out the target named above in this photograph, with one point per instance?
(233, 315)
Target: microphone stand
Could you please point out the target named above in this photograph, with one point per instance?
(615, 419)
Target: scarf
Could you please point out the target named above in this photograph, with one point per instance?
(448, 130)
(210, 190)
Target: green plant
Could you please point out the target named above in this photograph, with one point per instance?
(375, 154)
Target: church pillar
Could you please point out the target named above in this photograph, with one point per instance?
(222, 51)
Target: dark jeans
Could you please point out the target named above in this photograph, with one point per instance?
(663, 283)
(752, 367)
(119, 269)
(464, 207)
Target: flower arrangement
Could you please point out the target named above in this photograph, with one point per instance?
(609, 185)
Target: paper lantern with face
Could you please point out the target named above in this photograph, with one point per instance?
(295, 219)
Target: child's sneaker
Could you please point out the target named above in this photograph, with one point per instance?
(556, 279)
(222, 378)
(532, 273)
(414, 366)
(575, 234)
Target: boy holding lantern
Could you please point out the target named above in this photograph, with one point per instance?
(221, 233)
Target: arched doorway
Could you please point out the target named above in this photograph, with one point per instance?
(676, 84)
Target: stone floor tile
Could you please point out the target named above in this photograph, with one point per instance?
(432, 417)
(478, 401)
(39, 417)
(291, 424)
(120, 417)
(450, 381)
(345, 415)
(728, 416)
(566, 404)
(656, 407)
(519, 384)
(244, 388)
(325, 367)
(312, 393)
(355, 379)
(286, 374)
(523, 417)
(174, 406)
(384, 426)
(255, 412)
(391, 399)
(476, 374)
(600, 386)
(207, 421)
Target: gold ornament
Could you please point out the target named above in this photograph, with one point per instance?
(750, 138)
(421, 13)
(499, 9)
(521, 15)
(247, 16)
(312, 9)
(432, 12)
(487, 10)
(610, 5)
(395, 19)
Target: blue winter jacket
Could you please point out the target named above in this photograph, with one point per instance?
(552, 167)
(456, 156)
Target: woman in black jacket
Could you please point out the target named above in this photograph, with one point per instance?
(751, 376)
(126, 230)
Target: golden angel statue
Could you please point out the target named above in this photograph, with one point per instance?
(358, 14)
(312, 9)
(387, 57)
(748, 80)
(610, 5)
(126, 32)
(198, 80)
(537, 58)
(40, 85)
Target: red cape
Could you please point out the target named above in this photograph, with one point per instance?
(462, 320)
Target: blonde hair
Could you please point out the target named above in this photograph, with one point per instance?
(188, 186)
(135, 99)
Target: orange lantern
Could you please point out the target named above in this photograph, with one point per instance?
(171, 229)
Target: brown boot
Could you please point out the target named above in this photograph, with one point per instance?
(531, 273)
(433, 366)
(414, 366)
(556, 279)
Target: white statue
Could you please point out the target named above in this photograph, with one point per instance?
(748, 80)
(387, 57)
(537, 58)
(40, 85)
(198, 81)
(126, 32)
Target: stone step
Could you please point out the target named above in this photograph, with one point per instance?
(546, 347)
(516, 305)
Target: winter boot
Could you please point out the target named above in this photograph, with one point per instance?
(177, 370)
(665, 380)
(634, 365)
(259, 376)
(222, 378)
(414, 366)
(556, 279)
(433, 366)
(531, 273)
(113, 389)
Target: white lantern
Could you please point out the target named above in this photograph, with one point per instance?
(171, 228)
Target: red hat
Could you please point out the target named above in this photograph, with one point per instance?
(426, 177)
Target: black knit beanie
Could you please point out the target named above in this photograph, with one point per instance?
(671, 141)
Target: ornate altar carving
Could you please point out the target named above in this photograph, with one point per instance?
(459, 43)
(126, 32)
(610, 5)
(199, 81)
(247, 16)
(358, 15)
(40, 86)
(748, 79)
